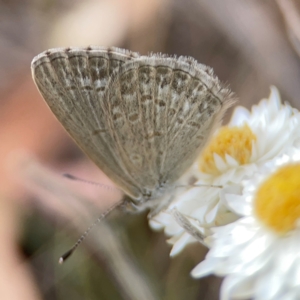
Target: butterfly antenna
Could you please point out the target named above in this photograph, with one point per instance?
(67, 254)
(107, 187)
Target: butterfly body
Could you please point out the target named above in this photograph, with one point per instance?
(143, 120)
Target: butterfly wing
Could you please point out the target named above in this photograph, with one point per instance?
(161, 112)
(73, 82)
(142, 119)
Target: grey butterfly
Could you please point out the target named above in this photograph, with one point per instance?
(143, 120)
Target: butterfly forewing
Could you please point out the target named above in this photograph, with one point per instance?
(71, 81)
(142, 119)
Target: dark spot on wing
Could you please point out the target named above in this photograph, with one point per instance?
(161, 103)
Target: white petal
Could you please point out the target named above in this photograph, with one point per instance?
(268, 286)
(258, 245)
(287, 251)
(257, 265)
(173, 229)
(220, 164)
(231, 244)
(294, 276)
(236, 287)
(224, 218)
(274, 97)
(290, 295)
(240, 116)
(254, 152)
(231, 162)
(205, 268)
(181, 243)
(211, 214)
(236, 203)
(155, 225)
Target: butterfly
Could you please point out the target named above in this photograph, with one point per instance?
(143, 120)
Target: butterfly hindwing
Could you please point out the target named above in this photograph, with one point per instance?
(162, 111)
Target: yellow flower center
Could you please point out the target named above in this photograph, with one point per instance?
(277, 202)
(234, 141)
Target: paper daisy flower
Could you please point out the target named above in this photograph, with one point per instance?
(259, 254)
(234, 153)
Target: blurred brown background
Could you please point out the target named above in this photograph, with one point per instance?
(250, 44)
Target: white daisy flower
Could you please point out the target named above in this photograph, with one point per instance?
(260, 253)
(234, 153)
